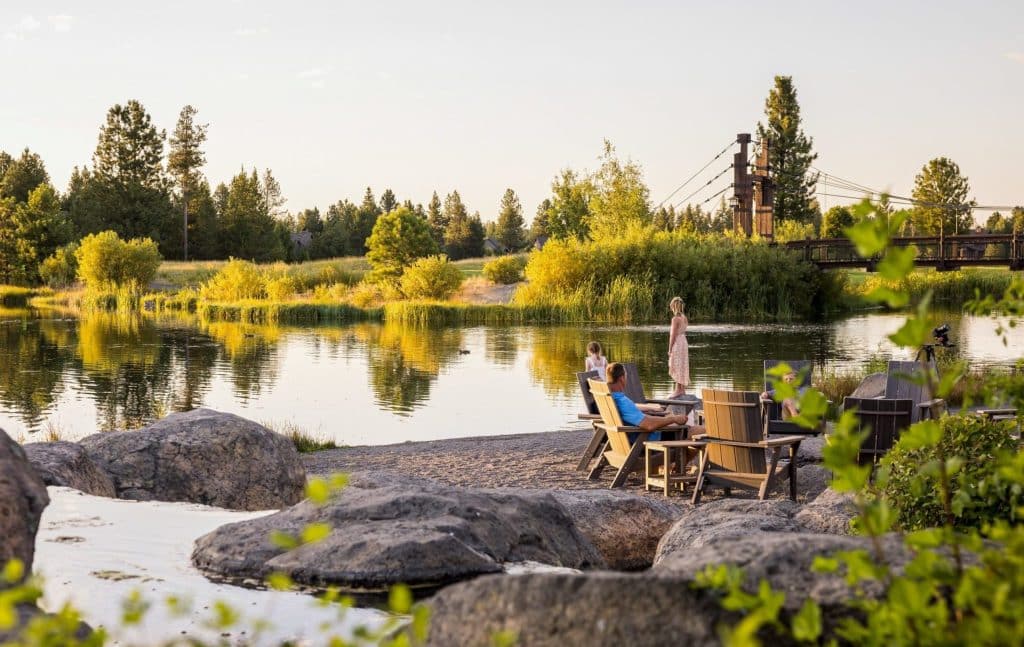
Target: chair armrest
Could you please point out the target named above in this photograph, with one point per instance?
(588, 416)
(998, 412)
(732, 443)
(931, 404)
(672, 403)
(625, 428)
(778, 442)
(676, 443)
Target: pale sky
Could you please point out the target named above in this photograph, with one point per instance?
(480, 96)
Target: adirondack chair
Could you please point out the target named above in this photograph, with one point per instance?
(774, 424)
(597, 440)
(899, 384)
(619, 451)
(735, 453)
(884, 419)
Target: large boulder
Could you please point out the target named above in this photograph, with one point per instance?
(22, 500)
(785, 560)
(625, 528)
(202, 456)
(386, 531)
(68, 465)
(594, 609)
(830, 513)
(723, 520)
(810, 450)
(812, 479)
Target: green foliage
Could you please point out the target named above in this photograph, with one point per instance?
(509, 228)
(835, 221)
(718, 277)
(20, 177)
(60, 269)
(620, 199)
(105, 261)
(399, 238)
(505, 269)
(433, 277)
(942, 193)
(247, 222)
(463, 235)
(238, 280)
(790, 155)
(569, 213)
(539, 227)
(788, 230)
(980, 494)
(945, 287)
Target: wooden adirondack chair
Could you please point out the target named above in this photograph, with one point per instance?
(735, 452)
(618, 452)
(899, 384)
(592, 414)
(774, 424)
(884, 419)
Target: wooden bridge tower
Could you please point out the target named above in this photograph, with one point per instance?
(753, 193)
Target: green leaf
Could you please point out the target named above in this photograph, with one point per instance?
(893, 298)
(283, 540)
(318, 491)
(897, 263)
(926, 433)
(279, 581)
(400, 599)
(807, 622)
(867, 237)
(927, 538)
(13, 571)
(315, 532)
(914, 332)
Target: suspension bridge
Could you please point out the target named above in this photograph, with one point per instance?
(752, 208)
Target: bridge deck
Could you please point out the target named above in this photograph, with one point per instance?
(941, 252)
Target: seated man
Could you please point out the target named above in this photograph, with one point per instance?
(631, 414)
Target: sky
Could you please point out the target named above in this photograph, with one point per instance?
(335, 96)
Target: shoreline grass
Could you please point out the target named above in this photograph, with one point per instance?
(304, 441)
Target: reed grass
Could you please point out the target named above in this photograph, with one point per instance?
(947, 287)
(15, 296)
(289, 312)
(304, 441)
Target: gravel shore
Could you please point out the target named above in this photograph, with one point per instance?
(541, 460)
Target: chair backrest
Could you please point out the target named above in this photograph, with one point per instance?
(588, 398)
(803, 368)
(634, 387)
(734, 415)
(884, 419)
(904, 381)
(617, 440)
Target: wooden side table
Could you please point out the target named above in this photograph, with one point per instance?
(673, 471)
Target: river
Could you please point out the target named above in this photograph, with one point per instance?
(379, 383)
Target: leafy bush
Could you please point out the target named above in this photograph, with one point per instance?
(979, 494)
(505, 270)
(281, 288)
(398, 239)
(238, 280)
(433, 277)
(60, 269)
(105, 261)
(719, 277)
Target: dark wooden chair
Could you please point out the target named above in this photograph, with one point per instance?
(620, 451)
(736, 454)
(903, 381)
(635, 390)
(884, 419)
(774, 424)
(590, 407)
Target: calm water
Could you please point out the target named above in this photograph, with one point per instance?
(376, 384)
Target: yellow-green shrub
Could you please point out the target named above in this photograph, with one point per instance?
(505, 270)
(60, 269)
(238, 280)
(105, 261)
(281, 288)
(433, 277)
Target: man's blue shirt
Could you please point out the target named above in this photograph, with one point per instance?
(631, 414)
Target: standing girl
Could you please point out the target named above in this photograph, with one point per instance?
(678, 349)
(596, 361)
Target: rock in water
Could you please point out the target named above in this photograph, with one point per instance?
(386, 531)
(22, 500)
(202, 456)
(68, 465)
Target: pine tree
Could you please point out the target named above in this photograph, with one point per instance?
(942, 191)
(249, 230)
(664, 219)
(184, 160)
(127, 190)
(464, 236)
(19, 177)
(366, 218)
(509, 228)
(790, 154)
(539, 227)
(436, 219)
(273, 199)
(722, 221)
(388, 201)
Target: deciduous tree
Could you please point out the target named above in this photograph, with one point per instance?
(399, 238)
(941, 194)
(569, 213)
(620, 198)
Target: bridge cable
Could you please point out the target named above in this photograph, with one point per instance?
(694, 176)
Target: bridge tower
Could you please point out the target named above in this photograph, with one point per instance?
(753, 193)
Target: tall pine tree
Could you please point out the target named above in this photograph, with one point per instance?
(388, 201)
(184, 160)
(436, 219)
(790, 154)
(539, 227)
(509, 228)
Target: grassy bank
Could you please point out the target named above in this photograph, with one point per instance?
(947, 287)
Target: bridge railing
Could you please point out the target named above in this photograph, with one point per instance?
(942, 252)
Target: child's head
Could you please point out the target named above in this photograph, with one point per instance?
(594, 348)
